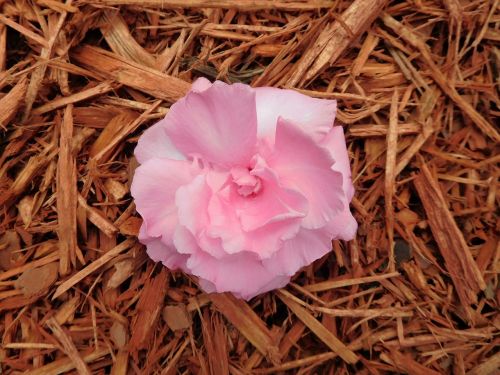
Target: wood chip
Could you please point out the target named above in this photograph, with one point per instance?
(68, 197)
(320, 331)
(461, 265)
(334, 39)
(125, 245)
(248, 323)
(228, 4)
(68, 347)
(176, 317)
(37, 281)
(149, 80)
(149, 309)
(11, 102)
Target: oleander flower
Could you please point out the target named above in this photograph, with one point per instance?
(243, 186)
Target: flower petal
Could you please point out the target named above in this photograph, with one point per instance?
(159, 252)
(274, 203)
(334, 142)
(314, 116)
(218, 125)
(224, 224)
(343, 226)
(302, 165)
(192, 201)
(153, 188)
(267, 240)
(155, 143)
(299, 251)
(201, 84)
(242, 274)
(262, 240)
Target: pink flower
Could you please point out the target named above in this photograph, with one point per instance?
(243, 186)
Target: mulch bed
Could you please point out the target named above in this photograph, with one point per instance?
(417, 85)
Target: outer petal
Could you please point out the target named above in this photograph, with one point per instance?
(155, 143)
(201, 84)
(303, 165)
(314, 116)
(241, 274)
(343, 226)
(219, 124)
(159, 252)
(334, 142)
(153, 188)
(299, 251)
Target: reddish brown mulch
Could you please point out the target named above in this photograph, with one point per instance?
(417, 84)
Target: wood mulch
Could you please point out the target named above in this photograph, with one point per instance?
(417, 84)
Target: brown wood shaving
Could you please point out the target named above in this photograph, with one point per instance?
(458, 258)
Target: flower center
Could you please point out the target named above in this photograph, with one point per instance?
(246, 184)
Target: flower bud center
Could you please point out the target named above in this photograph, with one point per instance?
(246, 184)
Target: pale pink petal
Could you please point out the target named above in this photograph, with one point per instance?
(277, 282)
(143, 235)
(225, 225)
(299, 251)
(192, 201)
(274, 203)
(207, 286)
(201, 84)
(314, 116)
(267, 240)
(241, 274)
(184, 241)
(343, 226)
(155, 143)
(153, 188)
(334, 142)
(263, 240)
(304, 166)
(218, 125)
(159, 252)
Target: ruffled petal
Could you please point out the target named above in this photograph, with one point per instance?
(301, 164)
(303, 249)
(267, 240)
(274, 203)
(226, 224)
(153, 188)
(155, 143)
(192, 201)
(218, 125)
(242, 274)
(314, 116)
(334, 142)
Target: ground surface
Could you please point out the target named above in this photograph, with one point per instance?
(417, 89)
